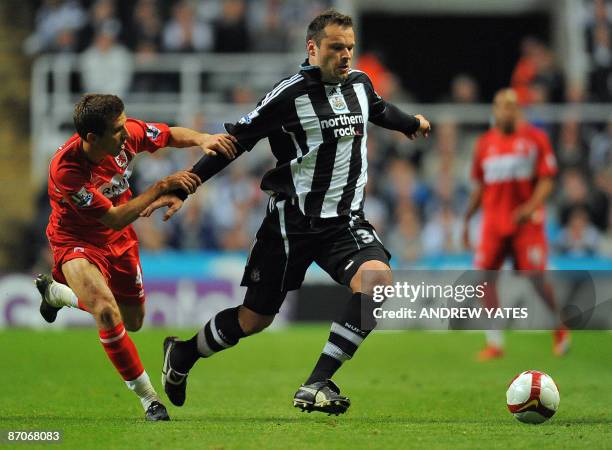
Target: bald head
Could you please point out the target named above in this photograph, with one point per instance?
(506, 110)
(506, 95)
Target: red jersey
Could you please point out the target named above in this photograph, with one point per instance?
(80, 192)
(509, 166)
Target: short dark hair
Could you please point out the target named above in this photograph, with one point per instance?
(94, 112)
(328, 17)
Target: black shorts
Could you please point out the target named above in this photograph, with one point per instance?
(288, 242)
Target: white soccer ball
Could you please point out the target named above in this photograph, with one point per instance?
(533, 397)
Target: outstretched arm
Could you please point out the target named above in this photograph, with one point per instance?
(118, 217)
(211, 144)
(206, 167)
(393, 118)
(266, 118)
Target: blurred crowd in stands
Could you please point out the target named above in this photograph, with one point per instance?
(417, 190)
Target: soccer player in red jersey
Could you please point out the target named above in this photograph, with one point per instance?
(513, 170)
(95, 249)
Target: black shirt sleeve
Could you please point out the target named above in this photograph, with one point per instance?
(393, 118)
(387, 115)
(265, 119)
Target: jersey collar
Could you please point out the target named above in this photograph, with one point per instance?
(313, 73)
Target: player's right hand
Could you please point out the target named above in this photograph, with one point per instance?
(185, 180)
(170, 200)
(224, 144)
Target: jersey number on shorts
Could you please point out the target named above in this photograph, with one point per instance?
(365, 236)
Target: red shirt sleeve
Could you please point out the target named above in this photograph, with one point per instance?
(78, 191)
(547, 163)
(148, 137)
(477, 172)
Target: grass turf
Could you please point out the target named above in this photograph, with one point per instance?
(408, 390)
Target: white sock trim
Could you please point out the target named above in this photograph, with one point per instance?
(215, 334)
(346, 333)
(61, 295)
(495, 338)
(113, 339)
(203, 347)
(335, 352)
(143, 388)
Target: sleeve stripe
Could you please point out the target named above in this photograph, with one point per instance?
(280, 85)
(273, 94)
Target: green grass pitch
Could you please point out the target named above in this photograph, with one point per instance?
(408, 390)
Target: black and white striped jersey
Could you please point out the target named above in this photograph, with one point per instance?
(318, 133)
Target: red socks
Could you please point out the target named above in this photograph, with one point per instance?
(122, 352)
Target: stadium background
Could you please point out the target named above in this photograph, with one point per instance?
(444, 60)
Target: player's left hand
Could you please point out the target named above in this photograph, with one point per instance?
(171, 201)
(522, 214)
(424, 128)
(225, 144)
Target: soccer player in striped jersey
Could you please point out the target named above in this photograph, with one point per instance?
(316, 123)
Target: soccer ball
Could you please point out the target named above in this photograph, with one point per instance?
(533, 397)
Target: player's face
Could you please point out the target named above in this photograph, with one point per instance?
(334, 54)
(506, 111)
(113, 140)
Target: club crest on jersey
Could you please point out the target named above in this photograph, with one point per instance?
(121, 159)
(255, 275)
(247, 119)
(82, 198)
(337, 102)
(152, 131)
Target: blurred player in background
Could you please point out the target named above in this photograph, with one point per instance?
(513, 171)
(316, 123)
(95, 249)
